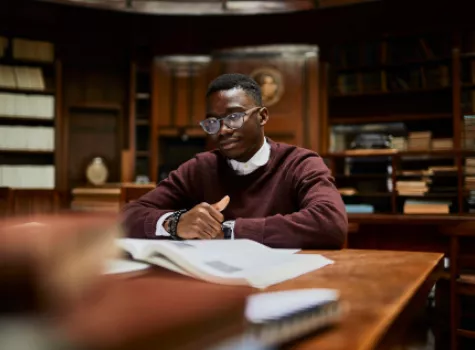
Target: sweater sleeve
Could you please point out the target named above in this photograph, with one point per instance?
(177, 191)
(320, 223)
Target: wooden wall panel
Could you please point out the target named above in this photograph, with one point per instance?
(180, 95)
(26, 202)
(294, 118)
(313, 125)
(163, 95)
(182, 83)
(93, 133)
(199, 86)
(182, 101)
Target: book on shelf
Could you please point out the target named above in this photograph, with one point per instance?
(26, 106)
(442, 144)
(359, 208)
(399, 143)
(468, 133)
(33, 50)
(411, 188)
(419, 141)
(469, 183)
(414, 206)
(27, 78)
(231, 262)
(34, 138)
(27, 176)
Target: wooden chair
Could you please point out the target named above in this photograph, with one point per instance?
(130, 192)
(462, 276)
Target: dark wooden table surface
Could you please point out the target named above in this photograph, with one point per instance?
(378, 288)
(381, 290)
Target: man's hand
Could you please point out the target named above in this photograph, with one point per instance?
(203, 221)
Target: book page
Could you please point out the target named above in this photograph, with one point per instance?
(239, 261)
(134, 247)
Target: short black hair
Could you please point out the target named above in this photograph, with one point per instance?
(235, 80)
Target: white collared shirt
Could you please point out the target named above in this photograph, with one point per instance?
(259, 159)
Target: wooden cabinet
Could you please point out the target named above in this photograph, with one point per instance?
(181, 89)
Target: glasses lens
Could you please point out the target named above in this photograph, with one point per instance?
(234, 121)
(210, 125)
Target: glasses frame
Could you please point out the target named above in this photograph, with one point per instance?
(225, 118)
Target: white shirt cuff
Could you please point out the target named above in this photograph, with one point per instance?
(160, 230)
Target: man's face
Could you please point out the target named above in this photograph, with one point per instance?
(239, 144)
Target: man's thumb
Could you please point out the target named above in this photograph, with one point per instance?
(222, 204)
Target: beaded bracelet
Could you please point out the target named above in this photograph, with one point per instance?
(173, 224)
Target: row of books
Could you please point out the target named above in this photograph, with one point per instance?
(392, 81)
(30, 106)
(411, 206)
(390, 51)
(435, 179)
(421, 141)
(468, 133)
(29, 50)
(426, 207)
(19, 77)
(27, 138)
(27, 176)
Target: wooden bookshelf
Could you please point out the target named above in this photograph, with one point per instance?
(402, 85)
(141, 131)
(30, 106)
(397, 160)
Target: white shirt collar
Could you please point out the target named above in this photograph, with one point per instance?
(260, 158)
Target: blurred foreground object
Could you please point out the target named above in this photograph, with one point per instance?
(158, 309)
(48, 263)
(197, 7)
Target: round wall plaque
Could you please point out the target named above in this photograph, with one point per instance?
(271, 82)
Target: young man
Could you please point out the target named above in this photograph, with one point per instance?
(276, 194)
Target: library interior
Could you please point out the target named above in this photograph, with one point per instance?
(383, 91)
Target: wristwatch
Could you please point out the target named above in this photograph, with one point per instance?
(172, 222)
(228, 229)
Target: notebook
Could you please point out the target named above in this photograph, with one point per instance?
(277, 318)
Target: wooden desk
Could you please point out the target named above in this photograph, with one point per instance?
(379, 287)
(402, 232)
(376, 219)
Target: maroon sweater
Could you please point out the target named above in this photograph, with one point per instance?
(290, 202)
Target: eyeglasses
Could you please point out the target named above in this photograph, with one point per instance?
(232, 121)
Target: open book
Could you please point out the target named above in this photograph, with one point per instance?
(232, 262)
